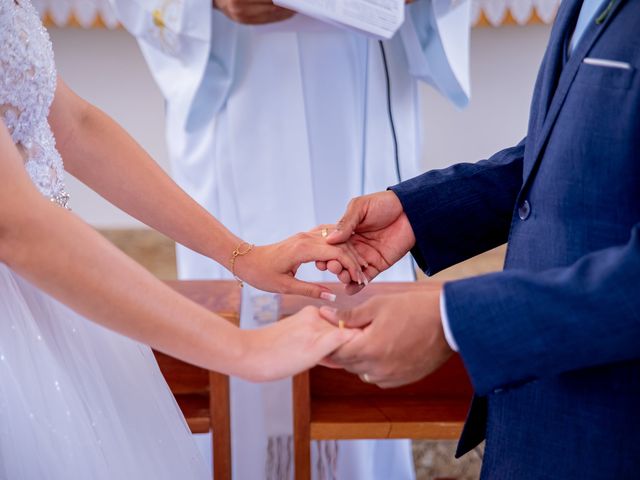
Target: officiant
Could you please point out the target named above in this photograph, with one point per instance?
(274, 121)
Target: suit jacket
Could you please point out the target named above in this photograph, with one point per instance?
(552, 343)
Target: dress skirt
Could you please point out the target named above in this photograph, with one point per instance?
(78, 401)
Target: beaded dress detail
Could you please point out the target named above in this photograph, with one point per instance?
(77, 401)
(27, 87)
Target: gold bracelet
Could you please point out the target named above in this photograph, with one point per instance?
(239, 253)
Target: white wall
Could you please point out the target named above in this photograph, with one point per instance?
(106, 68)
(504, 64)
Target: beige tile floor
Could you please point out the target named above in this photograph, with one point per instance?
(433, 459)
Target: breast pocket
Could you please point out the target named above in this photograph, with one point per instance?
(604, 73)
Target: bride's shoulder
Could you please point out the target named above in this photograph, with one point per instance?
(26, 57)
(18, 16)
(8, 20)
(23, 37)
(7, 14)
(7, 28)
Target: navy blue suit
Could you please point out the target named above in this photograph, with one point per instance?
(552, 343)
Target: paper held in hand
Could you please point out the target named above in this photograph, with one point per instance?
(377, 18)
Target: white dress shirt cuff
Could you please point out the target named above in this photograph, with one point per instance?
(448, 335)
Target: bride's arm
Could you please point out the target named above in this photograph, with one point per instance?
(56, 251)
(103, 156)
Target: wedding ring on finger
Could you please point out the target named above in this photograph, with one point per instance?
(324, 232)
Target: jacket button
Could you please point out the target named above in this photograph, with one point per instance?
(524, 210)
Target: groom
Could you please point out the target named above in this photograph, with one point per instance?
(552, 343)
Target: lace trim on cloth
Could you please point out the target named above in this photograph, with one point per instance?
(327, 461)
(280, 459)
(27, 86)
(91, 13)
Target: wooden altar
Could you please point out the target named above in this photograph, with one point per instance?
(328, 404)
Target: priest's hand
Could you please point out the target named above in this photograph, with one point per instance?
(380, 232)
(402, 339)
(252, 12)
(273, 267)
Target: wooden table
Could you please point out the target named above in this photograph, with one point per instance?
(335, 405)
(203, 396)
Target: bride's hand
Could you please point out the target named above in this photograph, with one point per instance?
(290, 346)
(273, 267)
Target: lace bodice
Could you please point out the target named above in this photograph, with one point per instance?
(27, 86)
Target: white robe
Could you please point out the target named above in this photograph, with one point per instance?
(273, 129)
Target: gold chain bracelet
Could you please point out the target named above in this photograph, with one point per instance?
(239, 253)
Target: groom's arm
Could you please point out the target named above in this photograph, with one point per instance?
(514, 326)
(463, 210)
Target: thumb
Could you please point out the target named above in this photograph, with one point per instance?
(348, 223)
(355, 318)
(294, 286)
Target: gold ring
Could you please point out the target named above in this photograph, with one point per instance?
(324, 232)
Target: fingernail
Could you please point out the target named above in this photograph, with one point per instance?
(330, 310)
(365, 280)
(329, 297)
(333, 234)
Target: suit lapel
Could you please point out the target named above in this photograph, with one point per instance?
(554, 57)
(565, 79)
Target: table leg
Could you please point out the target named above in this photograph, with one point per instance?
(302, 426)
(220, 411)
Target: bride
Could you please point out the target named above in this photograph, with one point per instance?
(78, 399)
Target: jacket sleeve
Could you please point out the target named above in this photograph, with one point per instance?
(516, 326)
(463, 210)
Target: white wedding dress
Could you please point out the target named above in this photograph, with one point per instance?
(77, 401)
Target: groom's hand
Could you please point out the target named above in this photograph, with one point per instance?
(378, 228)
(402, 339)
(252, 12)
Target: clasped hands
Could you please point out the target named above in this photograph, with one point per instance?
(389, 340)
(401, 338)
